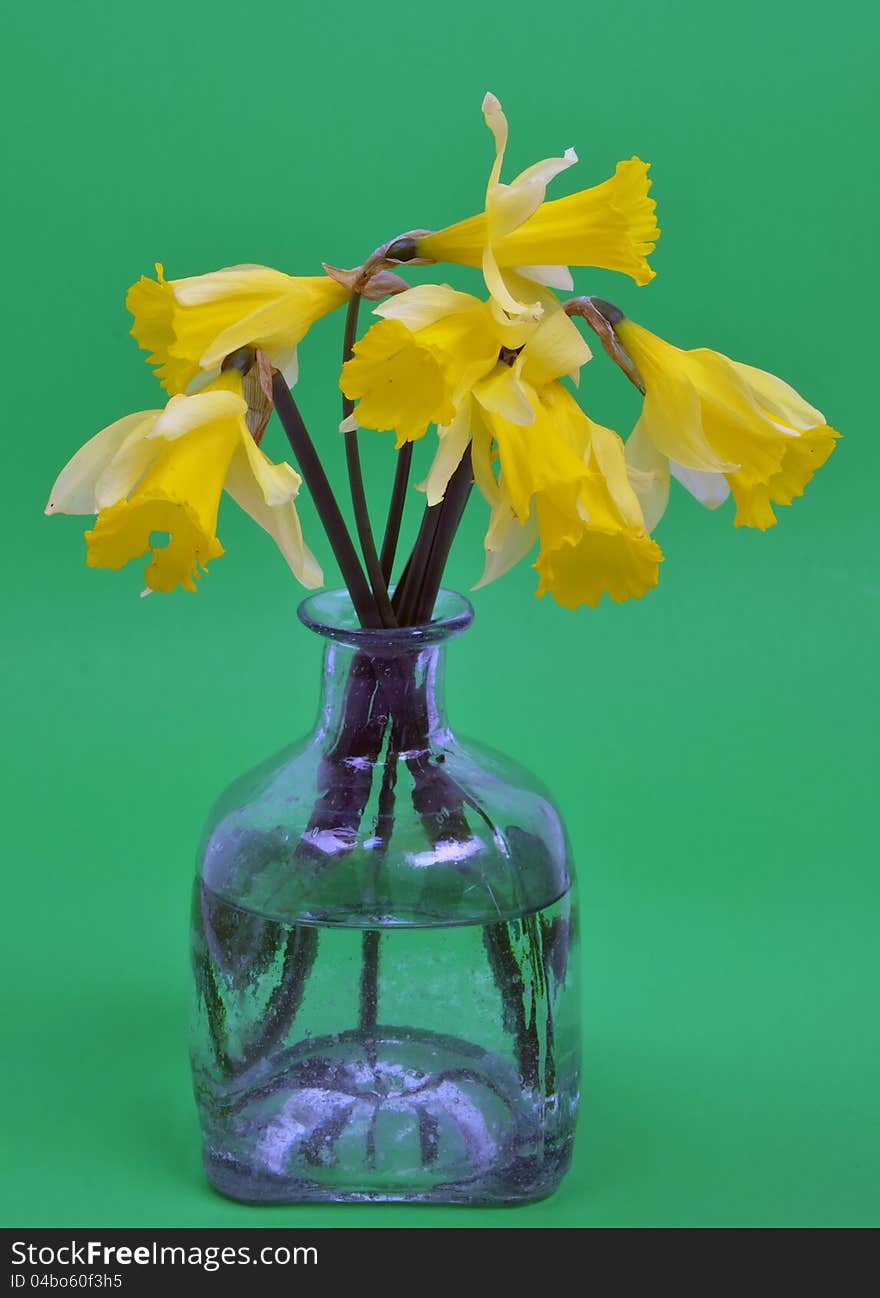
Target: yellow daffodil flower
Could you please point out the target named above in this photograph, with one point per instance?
(719, 427)
(611, 225)
(563, 480)
(435, 349)
(164, 471)
(446, 357)
(189, 326)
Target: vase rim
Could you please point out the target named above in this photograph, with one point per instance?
(330, 614)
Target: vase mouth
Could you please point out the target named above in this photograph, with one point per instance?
(330, 613)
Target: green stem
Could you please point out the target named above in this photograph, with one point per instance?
(377, 580)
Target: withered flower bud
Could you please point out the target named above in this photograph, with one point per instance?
(612, 313)
(241, 359)
(401, 249)
(371, 284)
(602, 316)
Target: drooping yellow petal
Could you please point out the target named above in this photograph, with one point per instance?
(593, 535)
(648, 472)
(452, 442)
(504, 394)
(566, 477)
(182, 414)
(265, 491)
(126, 469)
(779, 399)
(534, 458)
(673, 413)
(706, 413)
(73, 491)
(398, 382)
(467, 343)
(425, 304)
(507, 542)
(179, 495)
(555, 348)
(417, 366)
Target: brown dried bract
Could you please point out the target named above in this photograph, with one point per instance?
(256, 386)
(371, 284)
(601, 316)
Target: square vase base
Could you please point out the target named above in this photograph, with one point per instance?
(516, 1184)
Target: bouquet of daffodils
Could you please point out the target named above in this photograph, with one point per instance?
(492, 374)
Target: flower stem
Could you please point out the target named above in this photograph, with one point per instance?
(325, 502)
(407, 593)
(378, 582)
(395, 510)
(452, 511)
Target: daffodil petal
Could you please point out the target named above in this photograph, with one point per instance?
(286, 359)
(126, 469)
(648, 472)
(278, 483)
(243, 280)
(493, 115)
(481, 458)
(453, 442)
(502, 393)
(674, 412)
(779, 398)
(179, 494)
(610, 455)
(281, 521)
(559, 277)
(497, 286)
(260, 328)
(398, 382)
(541, 173)
(507, 542)
(184, 413)
(427, 303)
(73, 491)
(710, 489)
(555, 348)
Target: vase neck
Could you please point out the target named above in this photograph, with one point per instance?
(368, 699)
(382, 686)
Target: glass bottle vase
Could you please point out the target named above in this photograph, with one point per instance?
(384, 948)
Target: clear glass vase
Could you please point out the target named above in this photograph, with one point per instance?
(385, 950)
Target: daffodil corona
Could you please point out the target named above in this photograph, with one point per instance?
(494, 374)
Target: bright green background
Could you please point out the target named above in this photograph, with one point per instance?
(712, 746)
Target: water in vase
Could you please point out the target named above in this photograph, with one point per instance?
(429, 1062)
